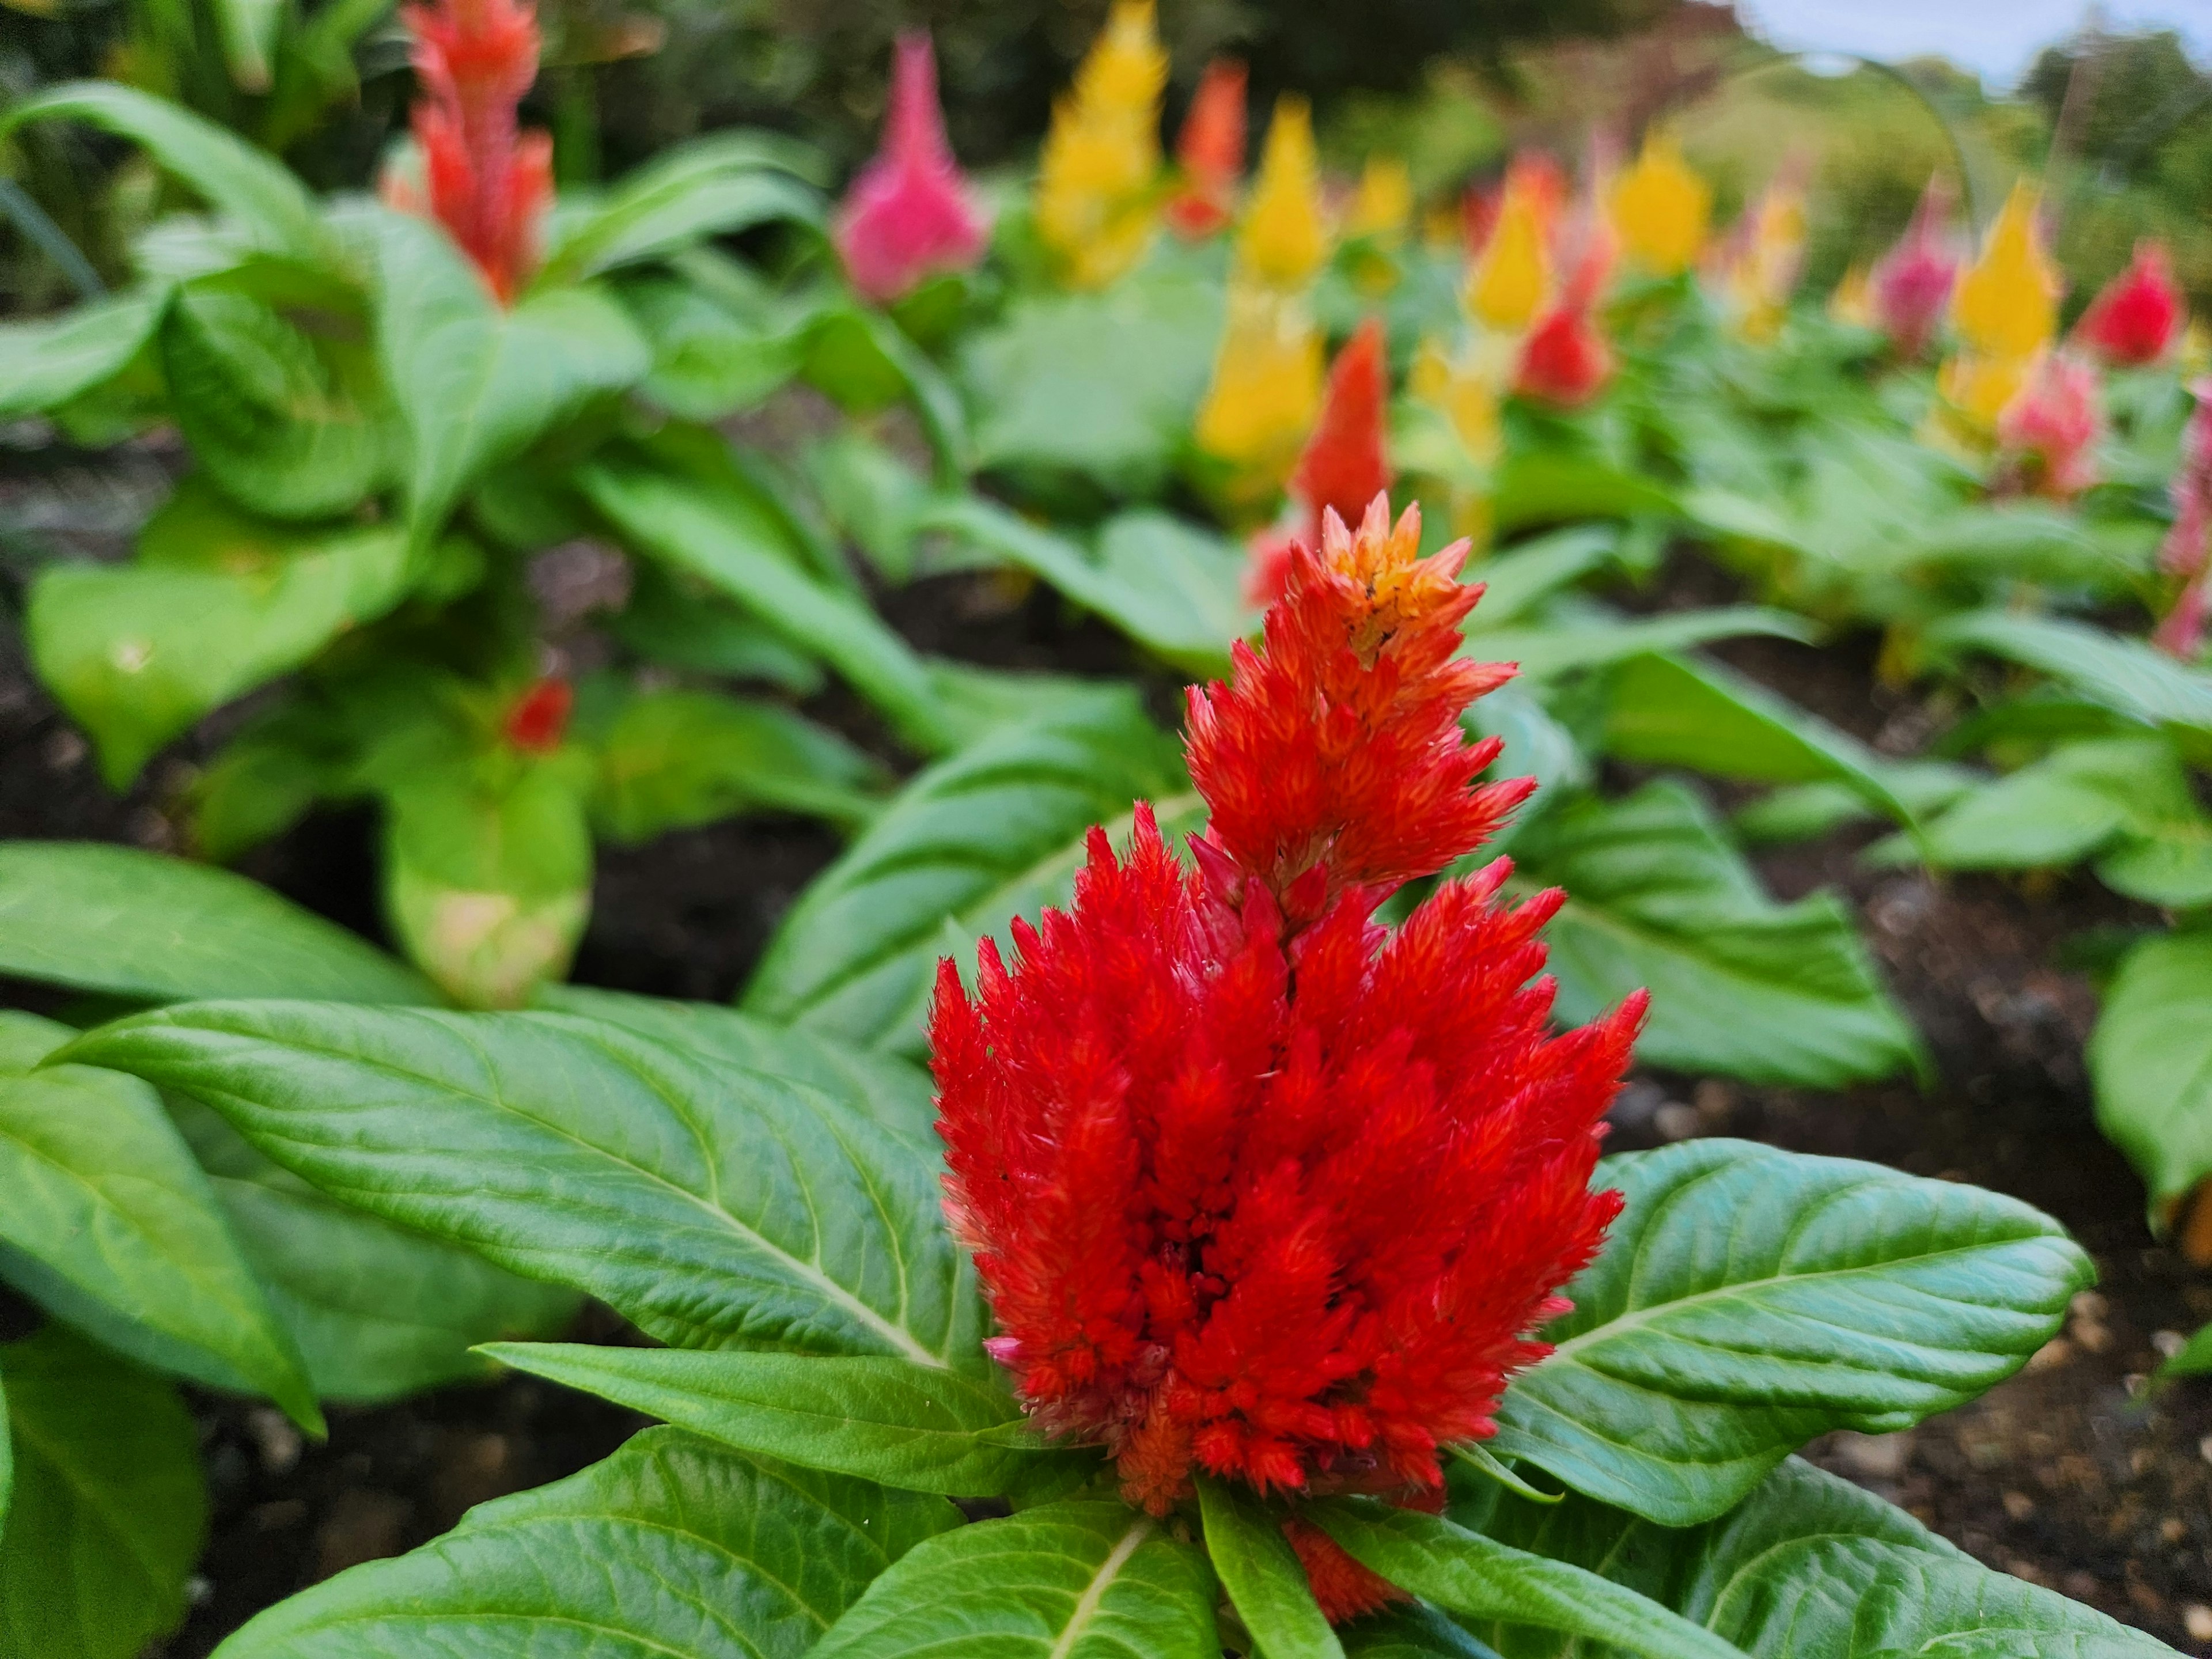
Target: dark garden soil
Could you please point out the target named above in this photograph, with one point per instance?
(2079, 1474)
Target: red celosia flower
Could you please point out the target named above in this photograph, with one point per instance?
(1566, 361)
(2049, 431)
(1345, 463)
(486, 182)
(909, 213)
(539, 717)
(1911, 283)
(1255, 1186)
(2138, 315)
(1210, 151)
(2186, 552)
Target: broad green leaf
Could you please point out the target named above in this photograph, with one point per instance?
(1808, 1567)
(112, 1224)
(2121, 673)
(476, 383)
(1519, 579)
(132, 924)
(1062, 1581)
(1807, 810)
(913, 1427)
(995, 831)
(1473, 1576)
(1545, 487)
(1742, 986)
(871, 342)
(708, 361)
(672, 1546)
(895, 1094)
(711, 1207)
(48, 360)
(733, 543)
(108, 1510)
(978, 700)
(2066, 806)
(376, 1311)
(1591, 638)
(1750, 1299)
(2150, 1059)
(216, 604)
(1169, 586)
(872, 496)
(711, 186)
(251, 185)
(1261, 1572)
(273, 422)
(1414, 1632)
(248, 29)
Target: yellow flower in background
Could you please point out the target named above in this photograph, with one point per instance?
(1096, 198)
(1513, 278)
(1464, 395)
(1852, 301)
(1385, 206)
(2192, 359)
(2006, 304)
(1283, 240)
(1760, 269)
(1266, 387)
(1980, 387)
(1662, 209)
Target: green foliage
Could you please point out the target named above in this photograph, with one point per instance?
(2150, 1058)
(1262, 1578)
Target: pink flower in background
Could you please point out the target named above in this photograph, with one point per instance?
(2138, 316)
(1911, 283)
(909, 213)
(2049, 431)
(2187, 549)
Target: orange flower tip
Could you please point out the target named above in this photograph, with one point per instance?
(539, 719)
(908, 215)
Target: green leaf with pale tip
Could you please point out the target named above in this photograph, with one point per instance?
(1261, 1573)
(2150, 1058)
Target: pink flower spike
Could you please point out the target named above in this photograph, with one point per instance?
(909, 213)
(2050, 430)
(1911, 283)
(2189, 542)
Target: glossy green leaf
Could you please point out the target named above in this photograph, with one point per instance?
(108, 1510)
(996, 831)
(132, 924)
(710, 362)
(672, 1546)
(1807, 810)
(1261, 1572)
(736, 545)
(865, 360)
(1476, 1577)
(1516, 582)
(376, 1311)
(2123, 674)
(46, 361)
(917, 1428)
(711, 186)
(2150, 1059)
(1062, 1581)
(1538, 486)
(1809, 1567)
(112, 1224)
(1750, 1299)
(711, 1207)
(1740, 985)
(1414, 1632)
(1589, 638)
(895, 1093)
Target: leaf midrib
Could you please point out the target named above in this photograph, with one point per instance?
(1094, 1594)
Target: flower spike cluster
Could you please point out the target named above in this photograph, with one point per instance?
(485, 181)
(909, 213)
(1256, 1186)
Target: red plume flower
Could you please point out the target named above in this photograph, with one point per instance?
(1210, 151)
(1345, 463)
(2048, 432)
(485, 181)
(1911, 283)
(2138, 316)
(1566, 361)
(909, 213)
(1255, 1186)
(539, 717)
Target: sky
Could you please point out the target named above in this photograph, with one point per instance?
(1997, 38)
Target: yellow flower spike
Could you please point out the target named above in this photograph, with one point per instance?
(1852, 301)
(1761, 271)
(1464, 395)
(1662, 209)
(1266, 388)
(1385, 206)
(2006, 304)
(1284, 240)
(1096, 203)
(1513, 278)
(1979, 387)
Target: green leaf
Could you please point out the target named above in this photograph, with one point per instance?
(1770, 993)
(913, 1427)
(864, 360)
(376, 1312)
(1591, 638)
(279, 429)
(256, 189)
(672, 1546)
(248, 29)
(710, 362)
(712, 1207)
(2123, 674)
(711, 186)
(1062, 1581)
(895, 1094)
(111, 1223)
(2066, 806)
(1261, 1572)
(994, 832)
(1414, 1632)
(1545, 487)
(477, 384)
(48, 360)
(132, 924)
(108, 1510)
(1808, 810)
(1518, 580)
(1473, 1576)
(1811, 1567)
(1750, 1299)
(2194, 1357)
(736, 545)
(2150, 1059)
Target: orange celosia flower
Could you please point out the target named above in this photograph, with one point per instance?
(1095, 198)
(1210, 149)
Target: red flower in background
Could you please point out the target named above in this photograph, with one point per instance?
(539, 717)
(1910, 285)
(1567, 360)
(1345, 463)
(485, 181)
(2138, 316)
(909, 213)
(1210, 151)
(1255, 1186)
